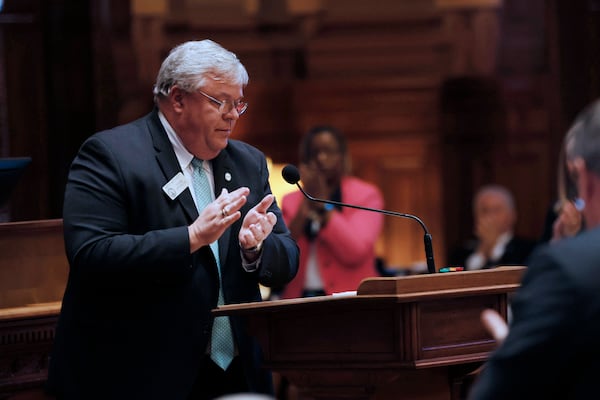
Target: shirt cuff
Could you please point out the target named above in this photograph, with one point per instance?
(475, 261)
(250, 266)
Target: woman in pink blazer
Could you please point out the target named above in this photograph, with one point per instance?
(337, 245)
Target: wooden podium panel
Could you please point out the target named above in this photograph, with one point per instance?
(406, 337)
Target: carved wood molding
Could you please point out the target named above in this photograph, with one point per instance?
(25, 345)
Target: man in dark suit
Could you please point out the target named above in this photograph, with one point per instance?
(164, 219)
(494, 217)
(552, 349)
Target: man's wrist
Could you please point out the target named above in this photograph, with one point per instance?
(252, 250)
(251, 257)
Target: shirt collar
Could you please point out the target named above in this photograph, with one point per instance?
(500, 246)
(184, 157)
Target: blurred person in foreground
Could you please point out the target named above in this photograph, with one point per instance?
(337, 244)
(564, 219)
(551, 349)
(164, 219)
(494, 216)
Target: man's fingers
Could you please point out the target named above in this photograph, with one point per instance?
(230, 203)
(239, 192)
(494, 324)
(272, 218)
(265, 203)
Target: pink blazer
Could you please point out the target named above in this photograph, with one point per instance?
(346, 245)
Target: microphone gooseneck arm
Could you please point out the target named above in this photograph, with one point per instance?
(337, 203)
(292, 176)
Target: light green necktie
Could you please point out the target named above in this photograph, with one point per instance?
(221, 348)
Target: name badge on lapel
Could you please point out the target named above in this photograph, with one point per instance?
(175, 186)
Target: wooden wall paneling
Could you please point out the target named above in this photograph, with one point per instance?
(356, 10)
(388, 48)
(393, 46)
(147, 39)
(473, 31)
(528, 163)
(265, 38)
(472, 127)
(266, 58)
(269, 122)
(71, 94)
(523, 47)
(124, 84)
(115, 76)
(527, 172)
(458, 189)
(21, 25)
(4, 129)
(406, 171)
(369, 108)
(573, 41)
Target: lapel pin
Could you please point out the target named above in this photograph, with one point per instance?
(227, 176)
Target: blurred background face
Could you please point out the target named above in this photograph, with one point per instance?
(494, 210)
(326, 155)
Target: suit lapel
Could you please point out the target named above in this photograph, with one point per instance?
(223, 170)
(224, 175)
(165, 156)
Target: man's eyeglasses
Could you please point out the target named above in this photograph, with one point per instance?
(227, 105)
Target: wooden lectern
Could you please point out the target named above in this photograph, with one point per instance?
(412, 337)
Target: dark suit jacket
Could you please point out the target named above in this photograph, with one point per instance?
(516, 253)
(552, 350)
(136, 318)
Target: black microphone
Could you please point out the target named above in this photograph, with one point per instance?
(292, 176)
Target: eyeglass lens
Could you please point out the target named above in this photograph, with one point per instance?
(227, 106)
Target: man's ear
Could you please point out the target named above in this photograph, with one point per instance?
(176, 98)
(582, 178)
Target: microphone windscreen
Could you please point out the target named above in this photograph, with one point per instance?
(291, 174)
